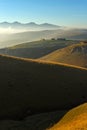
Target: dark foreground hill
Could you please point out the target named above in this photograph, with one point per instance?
(75, 54)
(28, 87)
(36, 49)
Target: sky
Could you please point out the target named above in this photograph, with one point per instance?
(72, 13)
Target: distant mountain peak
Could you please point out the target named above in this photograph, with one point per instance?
(48, 24)
(4, 22)
(30, 23)
(16, 22)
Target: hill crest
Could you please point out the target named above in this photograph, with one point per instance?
(75, 54)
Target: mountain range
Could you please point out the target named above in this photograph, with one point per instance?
(29, 26)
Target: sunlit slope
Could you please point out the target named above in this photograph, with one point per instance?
(75, 54)
(36, 49)
(28, 86)
(75, 119)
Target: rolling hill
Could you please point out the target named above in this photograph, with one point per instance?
(74, 34)
(8, 40)
(75, 119)
(36, 49)
(28, 87)
(75, 54)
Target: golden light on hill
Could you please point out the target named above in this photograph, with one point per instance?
(75, 119)
(75, 54)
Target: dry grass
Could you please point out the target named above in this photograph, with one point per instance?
(75, 54)
(75, 119)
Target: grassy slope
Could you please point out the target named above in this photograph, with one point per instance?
(75, 54)
(75, 119)
(36, 49)
(27, 85)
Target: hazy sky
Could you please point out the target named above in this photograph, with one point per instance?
(60, 12)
